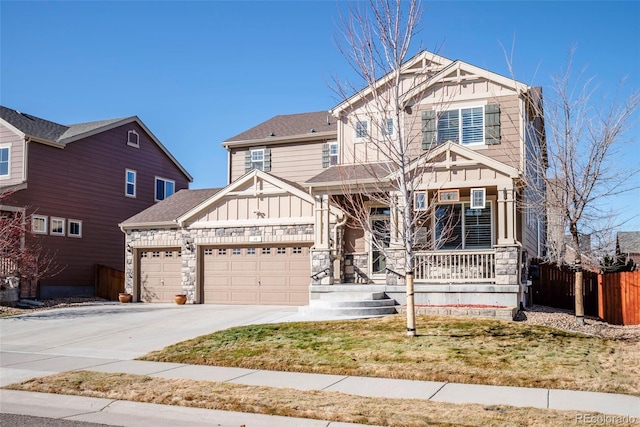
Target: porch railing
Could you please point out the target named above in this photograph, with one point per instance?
(7, 266)
(456, 266)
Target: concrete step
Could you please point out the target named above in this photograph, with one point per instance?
(348, 311)
(351, 295)
(323, 303)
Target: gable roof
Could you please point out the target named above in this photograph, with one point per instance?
(170, 209)
(366, 172)
(49, 132)
(304, 126)
(629, 242)
(440, 67)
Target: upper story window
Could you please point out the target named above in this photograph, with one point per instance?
(164, 188)
(464, 125)
(39, 224)
(362, 129)
(75, 228)
(257, 158)
(333, 153)
(133, 139)
(467, 125)
(130, 177)
(388, 127)
(4, 161)
(420, 200)
(57, 226)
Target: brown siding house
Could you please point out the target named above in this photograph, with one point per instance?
(79, 182)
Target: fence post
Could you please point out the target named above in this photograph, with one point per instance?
(600, 296)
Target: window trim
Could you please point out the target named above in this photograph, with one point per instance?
(423, 206)
(472, 198)
(449, 196)
(361, 129)
(62, 221)
(253, 162)
(130, 143)
(134, 183)
(8, 148)
(460, 126)
(45, 221)
(74, 221)
(333, 157)
(155, 188)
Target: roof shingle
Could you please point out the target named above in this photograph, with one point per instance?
(289, 125)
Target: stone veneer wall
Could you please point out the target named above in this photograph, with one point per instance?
(189, 239)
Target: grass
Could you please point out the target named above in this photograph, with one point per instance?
(330, 406)
(463, 350)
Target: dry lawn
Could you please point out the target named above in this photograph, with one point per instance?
(463, 350)
(330, 406)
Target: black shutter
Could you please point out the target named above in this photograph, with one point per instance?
(429, 132)
(492, 124)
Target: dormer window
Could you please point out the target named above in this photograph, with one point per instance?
(133, 139)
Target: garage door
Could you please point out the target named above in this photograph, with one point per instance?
(277, 275)
(160, 277)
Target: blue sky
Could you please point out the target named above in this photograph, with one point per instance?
(200, 72)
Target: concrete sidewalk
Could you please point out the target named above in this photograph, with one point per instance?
(18, 366)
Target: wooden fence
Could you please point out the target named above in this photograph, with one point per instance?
(554, 288)
(619, 302)
(613, 297)
(109, 282)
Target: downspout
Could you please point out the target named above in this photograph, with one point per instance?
(337, 260)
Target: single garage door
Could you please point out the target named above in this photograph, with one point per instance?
(160, 277)
(277, 275)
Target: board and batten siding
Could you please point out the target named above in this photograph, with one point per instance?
(296, 162)
(86, 181)
(8, 138)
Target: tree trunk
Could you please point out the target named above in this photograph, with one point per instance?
(411, 310)
(579, 299)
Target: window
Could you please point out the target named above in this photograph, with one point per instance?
(333, 153)
(257, 159)
(478, 196)
(420, 201)
(155, 254)
(458, 226)
(362, 129)
(57, 226)
(222, 251)
(75, 228)
(236, 251)
(130, 187)
(387, 128)
(448, 196)
(282, 250)
(208, 252)
(39, 224)
(266, 251)
(296, 250)
(464, 126)
(133, 139)
(251, 251)
(164, 188)
(4, 161)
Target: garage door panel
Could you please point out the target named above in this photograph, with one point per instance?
(257, 275)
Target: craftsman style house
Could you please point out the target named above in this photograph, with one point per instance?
(280, 232)
(76, 183)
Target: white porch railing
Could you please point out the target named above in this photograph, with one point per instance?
(456, 266)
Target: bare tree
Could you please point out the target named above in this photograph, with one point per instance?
(584, 143)
(22, 258)
(376, 40)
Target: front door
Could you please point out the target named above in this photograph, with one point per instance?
(380, 238)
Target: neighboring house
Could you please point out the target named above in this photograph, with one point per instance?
(77, 183)
(628, 246)
(286, 177)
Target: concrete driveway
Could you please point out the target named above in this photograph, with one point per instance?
(68, 338)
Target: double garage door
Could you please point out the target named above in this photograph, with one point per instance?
(277, 275)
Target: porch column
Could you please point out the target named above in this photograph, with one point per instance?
(511, 216)
(501, 217)
(322, 228)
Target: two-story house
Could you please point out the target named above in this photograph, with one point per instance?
(280, 224)
(76, 183)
